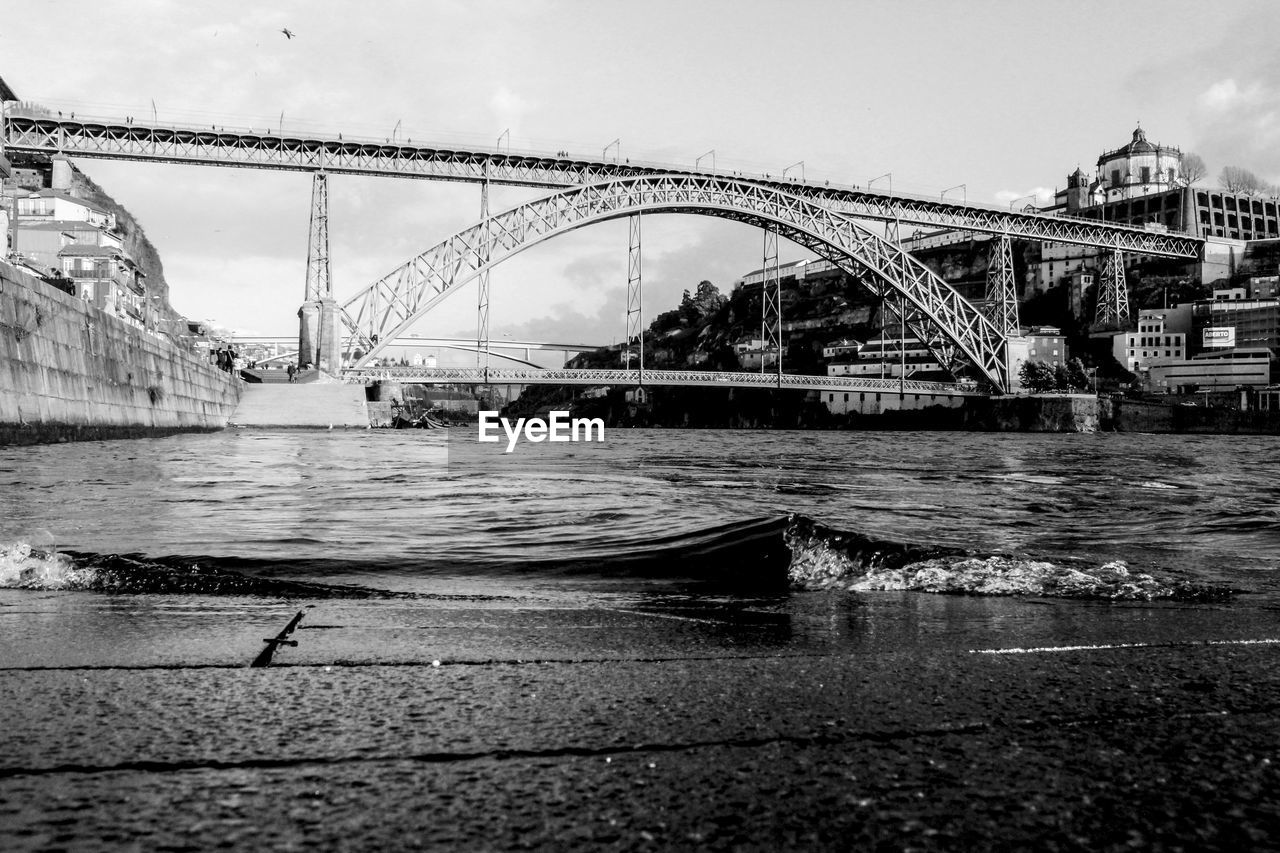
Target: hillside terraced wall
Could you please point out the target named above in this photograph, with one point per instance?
(71, 372)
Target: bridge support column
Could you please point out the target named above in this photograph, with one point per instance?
(482, 309)
(635, 298)
(319, 341)
(1002, 287)
(771, 301)
(1113, 293)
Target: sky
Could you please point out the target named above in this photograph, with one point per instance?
(1003, 96)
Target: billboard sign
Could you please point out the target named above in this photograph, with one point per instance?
(1219, 337)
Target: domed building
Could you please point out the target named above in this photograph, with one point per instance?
(1137, 169)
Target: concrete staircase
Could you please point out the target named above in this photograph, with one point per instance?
(305, 405)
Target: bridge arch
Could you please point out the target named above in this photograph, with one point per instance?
(388, 307)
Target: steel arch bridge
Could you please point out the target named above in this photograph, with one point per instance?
(388, 307)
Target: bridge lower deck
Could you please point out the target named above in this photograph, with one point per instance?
(653, 378)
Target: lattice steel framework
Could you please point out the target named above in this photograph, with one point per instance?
(482, 309)
(114, 139)
(392, 304)
(771, 300)
(635, 296)
(600, 376)
(1113, 294)
(1002, 287)
(319, 283)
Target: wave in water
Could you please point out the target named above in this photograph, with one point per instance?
(25, 567)
(823, 558)
(763, 554)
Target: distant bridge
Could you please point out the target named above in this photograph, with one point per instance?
(649, 378)
(459, 344)
(414, 341)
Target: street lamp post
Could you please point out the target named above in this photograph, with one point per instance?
(1031, 196)
(888, 175)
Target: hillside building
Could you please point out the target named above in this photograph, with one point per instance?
(1221, 370)
(1150, 345)
(889, 355)
(1230, 320)
(1047, 344)
(106, 277)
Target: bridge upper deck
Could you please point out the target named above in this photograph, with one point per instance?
(115, 139)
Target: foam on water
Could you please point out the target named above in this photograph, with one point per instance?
(822, 558)
(27, 566)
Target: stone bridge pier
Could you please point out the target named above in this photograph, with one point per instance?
(319, 341)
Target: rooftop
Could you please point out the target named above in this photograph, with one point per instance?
(87, 250)
(61, 225)
(1137, 145)
(65, 197)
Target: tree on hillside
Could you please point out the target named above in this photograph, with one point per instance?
(1040, 377)
(1077, 376)
(1037, 377)
(702, 304)
(1193, 168)
(1238, 180)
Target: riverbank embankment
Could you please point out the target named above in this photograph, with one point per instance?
(1086, 413)
(72, 372)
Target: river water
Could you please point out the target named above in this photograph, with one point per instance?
(422, 513)
(671, 639)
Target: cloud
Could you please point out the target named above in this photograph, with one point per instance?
(1233, 109)
(509, 108)
(1240, 127)
(1043, 196)
(1223, 95)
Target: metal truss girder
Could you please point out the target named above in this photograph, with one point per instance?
(319, 282)
(114, 139)
(771, 300)
(388, 307)
(1002, 287)
(571, 376)
(1113, 293)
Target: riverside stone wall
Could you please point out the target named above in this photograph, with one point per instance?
(1151, 416)
(71, 372)
(1034, 413)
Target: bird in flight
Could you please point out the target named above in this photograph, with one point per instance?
(287, 33)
